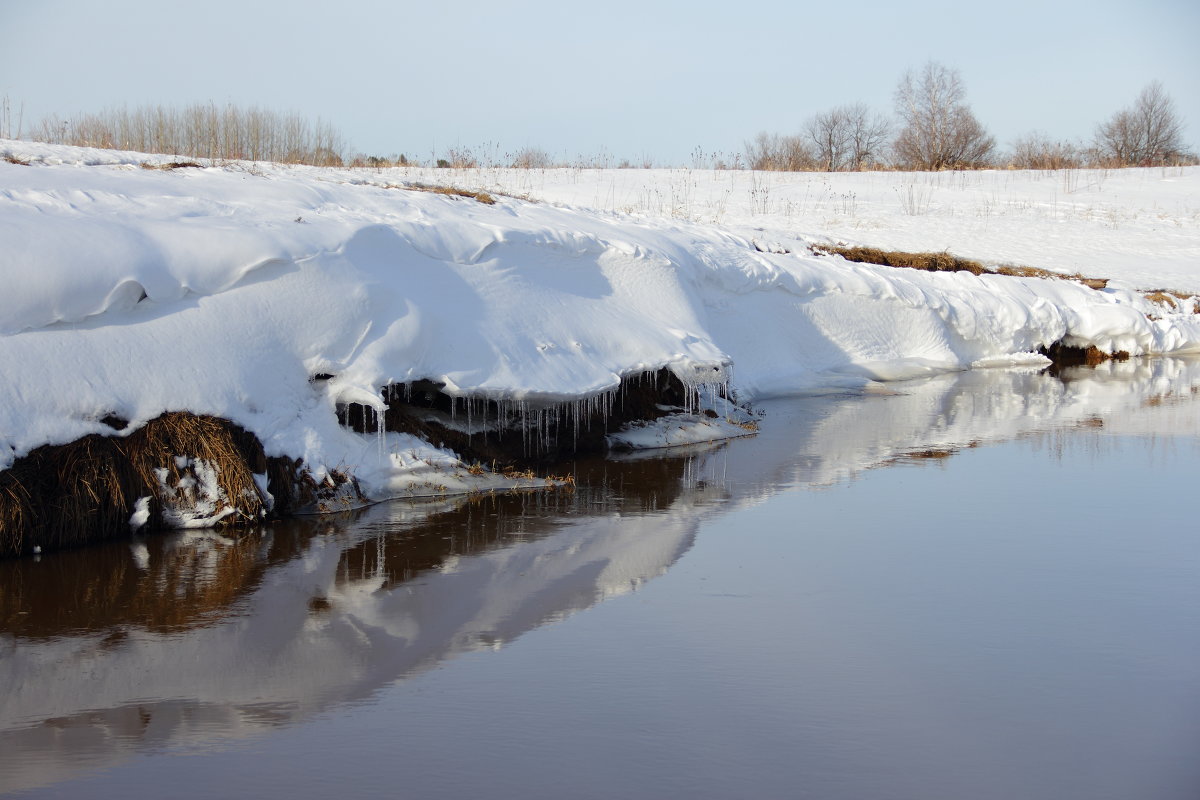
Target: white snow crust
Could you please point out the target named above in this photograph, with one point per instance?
(225, 289)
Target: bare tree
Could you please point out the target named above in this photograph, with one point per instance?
(830, 138)
(939, 129)
(1149, 132)
(201, 131)
(868, 133)
(846, 138)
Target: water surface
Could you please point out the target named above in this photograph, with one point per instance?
(983, 585)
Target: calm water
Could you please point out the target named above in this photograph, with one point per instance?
(983, 586)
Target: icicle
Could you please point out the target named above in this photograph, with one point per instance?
(381, 434)
(521, 411)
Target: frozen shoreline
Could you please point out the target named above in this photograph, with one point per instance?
(277, 297)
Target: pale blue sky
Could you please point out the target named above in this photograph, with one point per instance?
(628, 78)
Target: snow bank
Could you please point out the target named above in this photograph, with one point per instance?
(228, 290)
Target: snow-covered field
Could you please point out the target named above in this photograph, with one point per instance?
(227, 289)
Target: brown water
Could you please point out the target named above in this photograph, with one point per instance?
(985, 586)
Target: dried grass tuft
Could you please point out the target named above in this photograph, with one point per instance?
(1062, 355)
(64, 495)
(170, 165)
(930, 262)
(945, 262)
(1172, 300)
(482, 197)
(1166, 299)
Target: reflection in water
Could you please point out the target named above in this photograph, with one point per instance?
(173, 641)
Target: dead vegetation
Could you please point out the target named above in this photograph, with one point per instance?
(63, 495)
(1062, 355)
(1172, 300)
(946, 262)
(202, 130)
(171, 165)
(482, 197)
(929, 262)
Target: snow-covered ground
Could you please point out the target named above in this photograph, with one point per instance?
(227, 289)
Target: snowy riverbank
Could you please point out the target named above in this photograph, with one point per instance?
(276, 297)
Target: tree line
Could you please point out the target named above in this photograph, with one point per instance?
(935, 129)
(202, 130)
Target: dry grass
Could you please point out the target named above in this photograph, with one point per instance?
(1172, 300)
(929, 262)
(63, 495)
(946, 262)
(482, 197)
(1163, 298)
(1066, 356)
(21, 162)
(171, 165)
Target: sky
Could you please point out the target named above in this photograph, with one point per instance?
(644, 80)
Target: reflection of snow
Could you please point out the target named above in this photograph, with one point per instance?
(283, 651)
(315, 632)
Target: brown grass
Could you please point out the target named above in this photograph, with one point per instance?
(10, 158)
(1066, 356)
(930, 262)
(171, 165)
(1170, 299)
(62, 495)
(946, 262)
(482, 197)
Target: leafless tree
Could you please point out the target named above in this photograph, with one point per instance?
(939, 129)
(847, 137)
(830, 137)
(868, 136)
(1149, 132)
(201, 131)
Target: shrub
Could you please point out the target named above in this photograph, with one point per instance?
(1037, 151)
(783, 153)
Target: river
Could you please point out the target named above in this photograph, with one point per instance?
(978, 585)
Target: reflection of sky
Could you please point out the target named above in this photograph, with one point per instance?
(1017, 619)
(822, 641)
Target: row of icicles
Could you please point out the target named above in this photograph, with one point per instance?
(539, 424)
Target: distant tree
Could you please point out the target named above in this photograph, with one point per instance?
(847, 137)
(868, 133)
(1150, 132)
(939, 129)
(830, 137)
